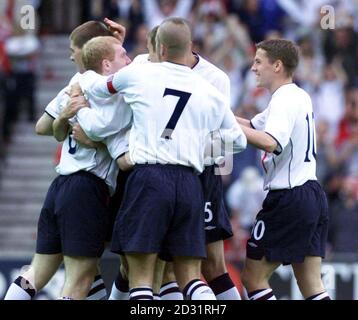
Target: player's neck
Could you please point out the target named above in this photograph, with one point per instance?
(182, 61)
(277, 84)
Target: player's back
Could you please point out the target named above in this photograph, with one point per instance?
(213, 75)
(173, 111)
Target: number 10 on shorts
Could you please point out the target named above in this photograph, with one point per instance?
(258, 230)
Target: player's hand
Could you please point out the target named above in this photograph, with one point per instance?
(73, 106)
(81, 136)
(117, 29)
(124, 163)
(75, 90)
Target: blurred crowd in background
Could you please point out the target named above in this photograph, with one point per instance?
(225, 33)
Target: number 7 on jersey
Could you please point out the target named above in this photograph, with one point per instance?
(179, 108)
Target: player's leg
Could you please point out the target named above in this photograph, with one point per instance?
(38, 274)
(120, 287)
(215, 273)
(83, 218)
(185, 239)
(314, 213)
(217, 229)
(255, 277)
(158, 277)
(98, 289)
(308, 276)
(48, 255)
(187, 271)
(140, 275)
(80, 272)
(170, 289)
(141, 225)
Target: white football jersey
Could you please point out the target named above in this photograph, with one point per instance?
(107, 120)
(214, 75)
(174, 110)
(289, 119)
(76, 157)
(220, 81)
(53, 108)
(141, 58)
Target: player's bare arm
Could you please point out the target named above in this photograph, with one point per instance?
(61, 125)
(243, 122)
(117, 29)
(44, 125)
(260, 139)
(82, 138)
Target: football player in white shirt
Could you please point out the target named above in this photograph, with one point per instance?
(43, 266)
(292, 226)
(217, 225)
(162, 153)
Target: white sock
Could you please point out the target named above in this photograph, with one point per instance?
(231, 294)
(224, 288)
(156, 296)
(198, 290)
(141, 293)
(263, 294)
(120, 288)
(170, 291)
(117, 294)
(98, 290)
(20, 289)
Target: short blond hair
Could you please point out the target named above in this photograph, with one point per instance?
(96, 50)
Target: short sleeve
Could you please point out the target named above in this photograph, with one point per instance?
(258, 122)
(280, 121)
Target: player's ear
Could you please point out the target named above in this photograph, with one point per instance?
(162, 50)
(106, 65)
(278, 65)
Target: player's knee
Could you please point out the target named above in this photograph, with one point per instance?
(168, 275)
(124, 271)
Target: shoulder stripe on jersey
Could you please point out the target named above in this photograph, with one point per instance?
(110, 86)
(252, 126)
(289, 166)
(278, 150)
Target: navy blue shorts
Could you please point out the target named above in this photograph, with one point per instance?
(162, 212)
(116, 201)
(292, 224)
(74, 218)
(217, 222)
